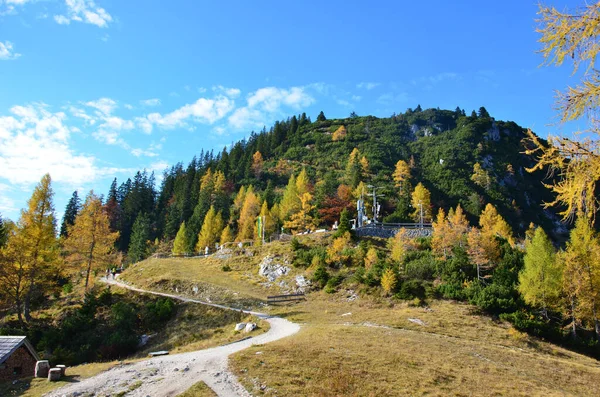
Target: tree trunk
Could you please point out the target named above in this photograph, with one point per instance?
(27, 305)
(573, 324)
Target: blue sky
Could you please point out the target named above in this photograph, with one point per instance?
(92, 90)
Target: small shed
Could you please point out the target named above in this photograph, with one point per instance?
(17, 358)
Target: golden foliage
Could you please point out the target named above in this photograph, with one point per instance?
(388, 281)
(400, 244)
(421, 202)
(492, 224)
(572, 36)
(371, 258)
(335, 252)
(227, 235)
(364, 163)
(339, 134)
(90, 243)
(248, 213)
(401, 173)
(257, 164)
(303, 219)
(181, 242)
(211, 230)
(481, 177)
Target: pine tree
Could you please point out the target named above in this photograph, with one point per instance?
(71, 211)
(421, 202)
(540, 280)
(90, 243)
(113, 209)
(3, 232)
(37, 228)
(180, 245)
(211, 229)
(354, 170)
(321, 116)
(483, 113)
(140, 235)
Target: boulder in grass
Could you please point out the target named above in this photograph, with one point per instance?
(54, 374)
(63, 369)
(240, 326)
(250, 327)
(41, 369)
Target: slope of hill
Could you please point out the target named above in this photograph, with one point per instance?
(442, 147)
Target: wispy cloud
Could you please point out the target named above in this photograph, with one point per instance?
(7, 52)
(85, 11)
(150, 102)
(367, 85)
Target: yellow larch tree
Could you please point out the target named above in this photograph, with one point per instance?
(421, 202)
(492, 224)
(441, 241)
(257, 164)
(336, 251)
(339, 134)
(227, 235)
(401, 174)
(210, 231)
(388, 281)
(573, 37)
(180, 245)
(290, 202)
(371, 258)
(303, 219)
(481, 177)
(90, 242)
(249, 212)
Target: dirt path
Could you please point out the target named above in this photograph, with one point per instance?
(174, 374)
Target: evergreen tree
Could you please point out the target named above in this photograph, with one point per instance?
(3, 232)
(344, 224)
(540, 280)
(140, 235)
(180, 245)
(483, 113)
(90, 242)
(321, 116)
(71, 211)
(113, 209)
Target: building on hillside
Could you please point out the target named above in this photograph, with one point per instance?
(17, 358)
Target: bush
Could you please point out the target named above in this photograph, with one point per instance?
(452, 291)
(321, 277)
(411, 289)
(226, 268)
(420, 265)
(333, 283)
(493, 298)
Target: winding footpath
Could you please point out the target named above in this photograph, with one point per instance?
(174, 374)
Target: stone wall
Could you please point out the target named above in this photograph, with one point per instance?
(387, 232)
(20, 364)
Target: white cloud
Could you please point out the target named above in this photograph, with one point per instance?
(35, 141)
(84, 11)
(7, 52)
(7, 204)
(144, 124)
(266, 103)
(367, 85)
(204, 110)
(150, 102)
(230, 92)
(105, 105)
(128, 106)
(442, 76)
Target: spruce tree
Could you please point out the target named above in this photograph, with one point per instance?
(71, 211)
(3, 233)
(321, 116)
(140, 234)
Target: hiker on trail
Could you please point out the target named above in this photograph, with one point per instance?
(107, 273)
(206, 251)
(114, 271)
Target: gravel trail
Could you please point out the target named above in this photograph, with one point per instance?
(173, 374)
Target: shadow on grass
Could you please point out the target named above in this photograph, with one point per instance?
(21, 386)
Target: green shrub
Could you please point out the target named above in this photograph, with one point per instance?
(321, 277)
(226, 268)
(493, 298)
(333, 283)
(411, 289)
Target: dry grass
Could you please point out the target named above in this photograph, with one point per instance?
(35, 387)
(377, 351)
(198, 390)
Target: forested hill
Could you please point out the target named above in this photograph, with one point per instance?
(468, 160)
